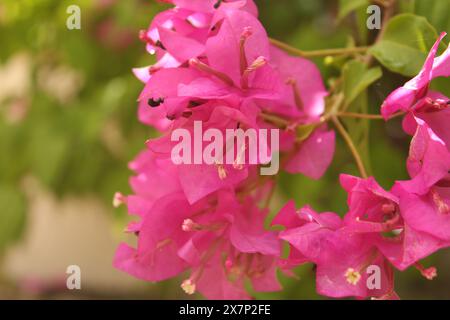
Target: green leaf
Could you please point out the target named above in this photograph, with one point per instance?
(359, 129)
(304, 131)
(407, 6)
(347, 6)
(437, 12)
(357, 77)
(48, 151)
(12, 215)
(405, 44)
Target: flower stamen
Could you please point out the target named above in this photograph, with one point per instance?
(188, 286)
(119, 199)
(352, 276)
(429, 273)
(243, 57)
(221, 171)
(256, 64)
(207, 69)
(442, 207)
(297, 97)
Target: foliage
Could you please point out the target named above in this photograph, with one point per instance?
(79, 142)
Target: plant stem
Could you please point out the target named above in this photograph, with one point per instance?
(270, 196)
(278, 121)
(360, 115)
(351, 146)
(367, 116)
(389, 12)
(317, 53)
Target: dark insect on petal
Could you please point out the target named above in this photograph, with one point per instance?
(193, 104)
(160, 45)
(217, 4)
(187, 114)
(155, 102)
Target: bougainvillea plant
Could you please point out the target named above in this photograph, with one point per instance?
(217, 66)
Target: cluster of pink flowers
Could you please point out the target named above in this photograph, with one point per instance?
(215, 64)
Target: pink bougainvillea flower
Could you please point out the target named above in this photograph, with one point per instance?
(302, 101)
(414, 242)
(236, 62)
(377, 215)
(230, 246)
(428, 161)
(211, 6)
(347, 266)
(176, 35)
(419, 101)
(234, 69)
(434, 111)
(239, 42)
(155, 177)
(159, 102)
(200, 178)
(313, 156)
(371, 208)
(198, 212)
(307, 220)
(406, 97)
(303, 94)
(160, 237)
(425, 199)
(179, 34)
(224, 241)
(342, 257)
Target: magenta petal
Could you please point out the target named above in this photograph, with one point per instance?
(308, 79)
(424, 77)
(200, 180)
(265, 243)
(399, 100)
(441, 66)
(204, 88)
(422, 213)
(267, 281)
(331, 278)
(428, 161)
(437, 120)
(144, 267)
(182, 48)
(157, 257)
(287, 216)
(214, 284)
(138, 205)
(142, 74)
(155, 117)
(223, 50)
(404, 97)
(314, 155)
(413, 247)
(409, 124)
(309, 240)
(165, 82)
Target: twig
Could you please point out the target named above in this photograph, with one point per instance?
(367, 116)
(351, 146)
(317, 53)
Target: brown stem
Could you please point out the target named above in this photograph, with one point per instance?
(317, 53)
(367, 116)
(351, 146)
(276, 120)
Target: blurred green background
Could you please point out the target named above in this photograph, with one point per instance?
(68, 127)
